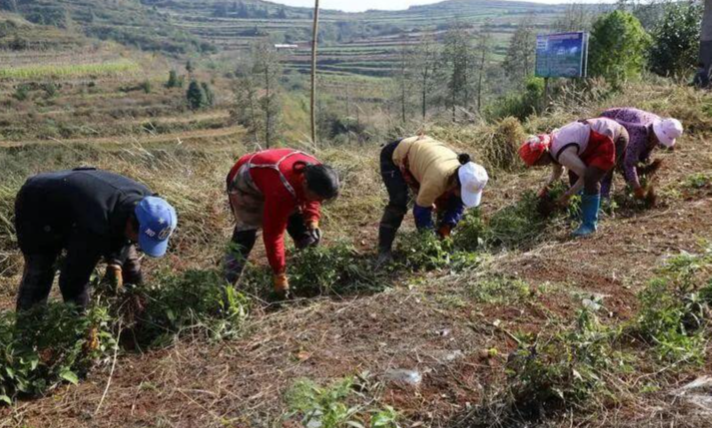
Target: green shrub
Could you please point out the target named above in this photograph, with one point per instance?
(49, 345)
(195, 96)
(22, 92)
(518, 105)
(174, 81)
(676, 39)
(548, 374)
(145, 86)
(618, 47)
(50, 89)
(675, 308)
(196, 300)
(338, 405)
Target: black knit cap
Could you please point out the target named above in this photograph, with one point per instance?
(322, 180)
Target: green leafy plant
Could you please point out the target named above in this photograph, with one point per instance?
(334, 269)
(499, 291)
(58, 343)
(675, 308)
(516, 225)
(339, 404)
(422, 250)
(618, 47)
(331, 269)
(547, 374)
(46, 346)
(22, 92)
(676, 39)
(470, 233)
(196, 300)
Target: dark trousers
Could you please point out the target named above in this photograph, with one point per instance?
(243, 241)
(398, 191)
(40, 269)
(606, 180)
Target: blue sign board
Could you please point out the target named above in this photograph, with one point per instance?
(562, 55)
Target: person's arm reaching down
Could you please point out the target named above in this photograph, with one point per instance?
(570, 159)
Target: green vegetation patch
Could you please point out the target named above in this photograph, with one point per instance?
(346, 402)
(115, 67)
(56, 343)
(586, 364)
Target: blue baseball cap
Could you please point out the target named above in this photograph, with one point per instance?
(157, 221)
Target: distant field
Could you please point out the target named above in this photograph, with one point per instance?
(365, 44)
(69, 70)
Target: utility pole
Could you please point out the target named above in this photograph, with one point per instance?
(705, 50)
(313, 91)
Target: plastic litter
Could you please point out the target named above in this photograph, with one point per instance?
(405, 376)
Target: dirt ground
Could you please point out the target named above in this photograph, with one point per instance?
(423, 324)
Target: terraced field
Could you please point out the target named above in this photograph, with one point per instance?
(351, 43)
(61, 86)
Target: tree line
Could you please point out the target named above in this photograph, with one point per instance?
(455, 75)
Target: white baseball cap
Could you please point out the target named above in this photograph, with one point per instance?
(473, 178)
(667, 130)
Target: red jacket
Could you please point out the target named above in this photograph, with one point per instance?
(280, 203)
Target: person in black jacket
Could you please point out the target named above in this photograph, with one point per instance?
(91, 214)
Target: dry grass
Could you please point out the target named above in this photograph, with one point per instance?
(421, 322)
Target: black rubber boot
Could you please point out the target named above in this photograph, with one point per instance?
(390, 223)
(237, 254)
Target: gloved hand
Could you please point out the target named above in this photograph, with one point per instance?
(315, 232)
(563, 201)
(542, 193)
(281, 284)
(640, 193)
(444, 231)
(114, 276)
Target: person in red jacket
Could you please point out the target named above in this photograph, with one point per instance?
(276, 190)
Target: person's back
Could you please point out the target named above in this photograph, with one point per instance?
(90, 214)
(90, 202)
(274, 164)
(629, 116)
(432, 164)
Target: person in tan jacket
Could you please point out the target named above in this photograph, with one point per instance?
(442, 180)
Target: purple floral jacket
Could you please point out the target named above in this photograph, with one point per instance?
(637, 124)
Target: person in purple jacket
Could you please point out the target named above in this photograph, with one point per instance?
(646, 131)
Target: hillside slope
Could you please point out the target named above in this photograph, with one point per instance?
(125, 21)
(456, 327)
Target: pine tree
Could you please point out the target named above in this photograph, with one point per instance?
(483, 47)
(195, 96)
(520, 58)
(173, 81)
(425, 61)
(457, 61)
(209, 95)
